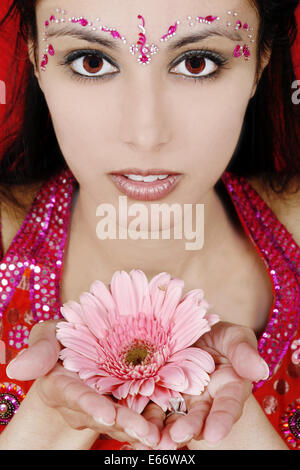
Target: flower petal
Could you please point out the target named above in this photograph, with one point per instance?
(212, 318)
(99, 290)
(197, 377)
(123, 390)
(78, 339)
(135, 386)
(108, 384)
(170, 302)
(147, 388)
(123, 293)
(197, 356)
(161, 396)
(137, 403)
(157, 288)
(95, 314)
(72, 312)
(172, 376)
(74, 361)
(188, 327)
(141, 289)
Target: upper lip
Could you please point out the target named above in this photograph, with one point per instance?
(136, 171)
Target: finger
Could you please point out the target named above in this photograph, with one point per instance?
(80, 421)
(166, 442)
(227, 408)
(239, 345)
(137, 427)
(189, 427)
(64, 389)
(139, 446)
(41, 355)
(155, 414)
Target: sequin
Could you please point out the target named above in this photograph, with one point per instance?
(270, 404)
(11, 396)
(281, 386)
(290, 424)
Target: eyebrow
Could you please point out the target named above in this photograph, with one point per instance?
(94, 37)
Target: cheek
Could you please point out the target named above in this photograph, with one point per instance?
(82, 119)
(210, 125)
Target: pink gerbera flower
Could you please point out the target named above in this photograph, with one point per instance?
(133, 340)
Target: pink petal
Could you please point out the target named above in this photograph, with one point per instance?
(135, 386)
(172, 376)
(197, 356)
(123, 390)
(212, 318)
(79, 340)
(157, 294)
(161, 396)
(187, 328)
(137, 403)
(99, 290)
(123, 293)
(147, 388)
(74, 361)
(72, 312)
(194, 295)
(171, 300)
(141, 289)
(108, 384)
(198, 378)
(95, 315)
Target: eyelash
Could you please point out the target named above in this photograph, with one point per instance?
(214, 56)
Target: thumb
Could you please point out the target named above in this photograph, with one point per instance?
(41, 355)
(240, 346)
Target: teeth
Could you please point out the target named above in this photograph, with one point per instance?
(147, 179)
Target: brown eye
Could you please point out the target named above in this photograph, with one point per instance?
(195, 64)
(92, 63)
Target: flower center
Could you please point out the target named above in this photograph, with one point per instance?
(137, 355)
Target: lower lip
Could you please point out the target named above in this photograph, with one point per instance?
(142, 191)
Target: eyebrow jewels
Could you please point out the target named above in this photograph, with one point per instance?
(241, 51)
(141, 46)
(79, 20)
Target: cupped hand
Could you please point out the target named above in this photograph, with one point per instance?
(79, 405)
(211, 415)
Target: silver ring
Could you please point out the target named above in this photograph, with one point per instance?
(176, 404)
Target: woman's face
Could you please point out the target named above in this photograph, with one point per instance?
(178, 114)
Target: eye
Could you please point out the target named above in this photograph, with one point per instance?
(90, 65)
(198, 64)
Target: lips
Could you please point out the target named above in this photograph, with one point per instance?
(146, 191)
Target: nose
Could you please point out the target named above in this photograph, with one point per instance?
(145, 123)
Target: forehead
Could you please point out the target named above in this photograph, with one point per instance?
(159, 14)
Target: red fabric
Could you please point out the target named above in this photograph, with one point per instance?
(296, 47)
(10, 68)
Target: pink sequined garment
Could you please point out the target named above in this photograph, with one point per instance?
(31, 273)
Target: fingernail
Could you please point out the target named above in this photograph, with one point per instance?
(188, 437)
(266, 371)
(9, 372)
(132, 433)
(101, 421)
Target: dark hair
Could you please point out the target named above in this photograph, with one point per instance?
(269, 143)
